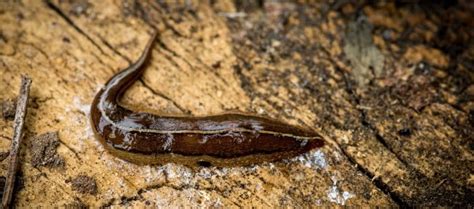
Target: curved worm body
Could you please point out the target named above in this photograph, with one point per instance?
(219, 140)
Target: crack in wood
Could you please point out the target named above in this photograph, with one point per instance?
(153, 91)
(71, 149)
(163, 45)
(165, 22)
(170, 59)
(255, 94)
(399, 200)
(82, 49)
(105, 42)
(68, 20)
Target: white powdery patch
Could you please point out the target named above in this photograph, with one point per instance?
(82, 128)
(205, 173)
(121, 182)
(161, 201)
(221, 171)
(84, 108)
(232, 171)
(334, 195)
(337, 155)
(271, 166)
(319, 159)
(179, 173)
(109, 194)
(153, 174)
(88, 132)
(97, 144)
(217, 203)
(203, 199)
(315, 160)
(317, 202)
(205, 195)
(116, 164)
(232, 15)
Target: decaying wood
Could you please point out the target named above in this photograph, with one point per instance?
(16, 142)
(389, 85)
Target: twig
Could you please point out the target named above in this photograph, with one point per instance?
(17, 135)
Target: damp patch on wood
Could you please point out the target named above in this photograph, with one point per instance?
(4, 155)
(83, 184)
(77, 204)
(43, 151)
(8, 108)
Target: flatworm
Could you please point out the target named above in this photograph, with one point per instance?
(228, 139)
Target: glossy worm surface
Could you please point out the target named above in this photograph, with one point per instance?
(220, 140)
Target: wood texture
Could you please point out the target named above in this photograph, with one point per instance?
(390, 87)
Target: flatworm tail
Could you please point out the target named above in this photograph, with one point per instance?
(221, 140)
